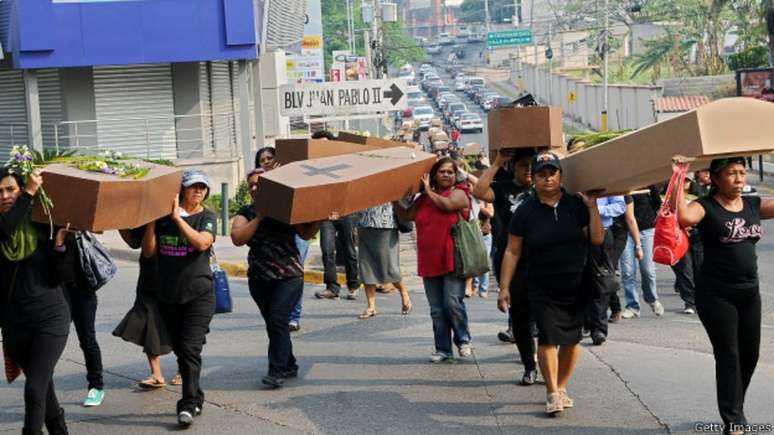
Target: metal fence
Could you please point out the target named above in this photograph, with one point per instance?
(206, 135)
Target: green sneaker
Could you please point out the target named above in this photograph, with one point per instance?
(94, 398)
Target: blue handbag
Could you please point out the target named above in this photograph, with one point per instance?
(223, 302)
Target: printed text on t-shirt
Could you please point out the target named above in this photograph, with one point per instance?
(738, 232)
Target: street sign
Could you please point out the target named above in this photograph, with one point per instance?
(572, 97)
(549, 53)
(509, 38)
(343, 98)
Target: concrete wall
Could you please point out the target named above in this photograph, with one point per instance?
(629, 106)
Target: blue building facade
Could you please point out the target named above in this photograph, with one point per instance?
(153, 78)
(75, 33)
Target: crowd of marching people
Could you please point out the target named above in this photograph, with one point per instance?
(558, 261)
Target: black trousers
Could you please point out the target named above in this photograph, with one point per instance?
(83, 309)
(620, 236)
(37, 354)
(522, 323)
(188, 324)
(687, 270)
(732, 319)
(275, 300)
(596, 309)
(333, 233)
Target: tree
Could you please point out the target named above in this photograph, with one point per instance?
(399, 47)
(472, 11)
(769, 14)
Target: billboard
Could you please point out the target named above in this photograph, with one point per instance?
(756, 83)
(309, 64)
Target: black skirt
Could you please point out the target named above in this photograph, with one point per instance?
(144, 327)
(557, 309)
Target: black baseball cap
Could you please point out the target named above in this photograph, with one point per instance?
(545, 160)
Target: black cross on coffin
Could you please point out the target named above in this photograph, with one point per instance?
(327, 171)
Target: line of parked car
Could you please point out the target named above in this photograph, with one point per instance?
(433, 96)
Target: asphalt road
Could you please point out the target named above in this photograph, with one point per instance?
(654, 375)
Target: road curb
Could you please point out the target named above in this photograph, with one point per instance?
(239, 270)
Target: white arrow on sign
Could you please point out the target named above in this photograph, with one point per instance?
(343, 98)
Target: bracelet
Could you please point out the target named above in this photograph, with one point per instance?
(62, 248)
(638, 246)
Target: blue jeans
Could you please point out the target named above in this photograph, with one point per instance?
(275, 300)
(481, 283)
(647, 271)
(303, 249)
(446, 295)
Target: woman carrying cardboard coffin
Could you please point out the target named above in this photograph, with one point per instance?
(143, 325)
(435, 212)
(555, 227)
(181, 242)
(34, 315)
(275, 277)
(728, 300)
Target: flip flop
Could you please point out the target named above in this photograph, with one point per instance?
(406, 309)
(151, 383)
(177, 380)
(367, 314)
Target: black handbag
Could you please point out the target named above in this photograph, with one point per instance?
(599, 275)
(404, 227)
(95, 263)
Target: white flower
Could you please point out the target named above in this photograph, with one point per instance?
(118, 155)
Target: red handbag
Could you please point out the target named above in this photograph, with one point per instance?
(670, 243)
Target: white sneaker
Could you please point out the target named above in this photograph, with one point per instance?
(436, 358)
(658, 309)
(466, 351)
(629, 313)
(689, 310)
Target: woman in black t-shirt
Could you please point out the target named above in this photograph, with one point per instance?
(34, 315)
(275, 277)
(181, 242)
(555, 228)
(727, 297)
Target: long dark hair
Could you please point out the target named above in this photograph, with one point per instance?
(434, 170)
(5, 171)
(260, 152)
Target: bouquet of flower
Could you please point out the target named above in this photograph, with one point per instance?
(109, 163)
(21, 163)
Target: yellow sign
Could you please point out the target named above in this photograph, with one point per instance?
(312, 42)
(290, 64)
(572, 96)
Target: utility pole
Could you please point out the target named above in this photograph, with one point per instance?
(376, 34)
(350, 27)
(606, 54)
(534, 45)
(550, 65)
(486, 15)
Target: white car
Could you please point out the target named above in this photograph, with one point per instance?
(423, 115)
(445, 39)
(468, 122)
(433, 49)
(459, 85)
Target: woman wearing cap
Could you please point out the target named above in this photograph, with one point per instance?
(181, 242)
(275, 277)
(728, 300)
(555, 227)
(439, 207)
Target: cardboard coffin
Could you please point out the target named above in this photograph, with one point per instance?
(366, 140)
(309, 191)
(731, 126)
(295, 150)
(99, 202)
(525, 127)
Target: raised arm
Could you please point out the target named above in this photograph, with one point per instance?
(149, 244)
(200, 240)
(483, 188)
(767, 208)
(129, 239)
(596, 230)
(243, 230)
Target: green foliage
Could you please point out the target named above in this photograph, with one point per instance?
(335, 33)
(754, 57)
(50, 154)
(400, 48)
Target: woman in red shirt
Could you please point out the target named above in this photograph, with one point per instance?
(435, 212)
